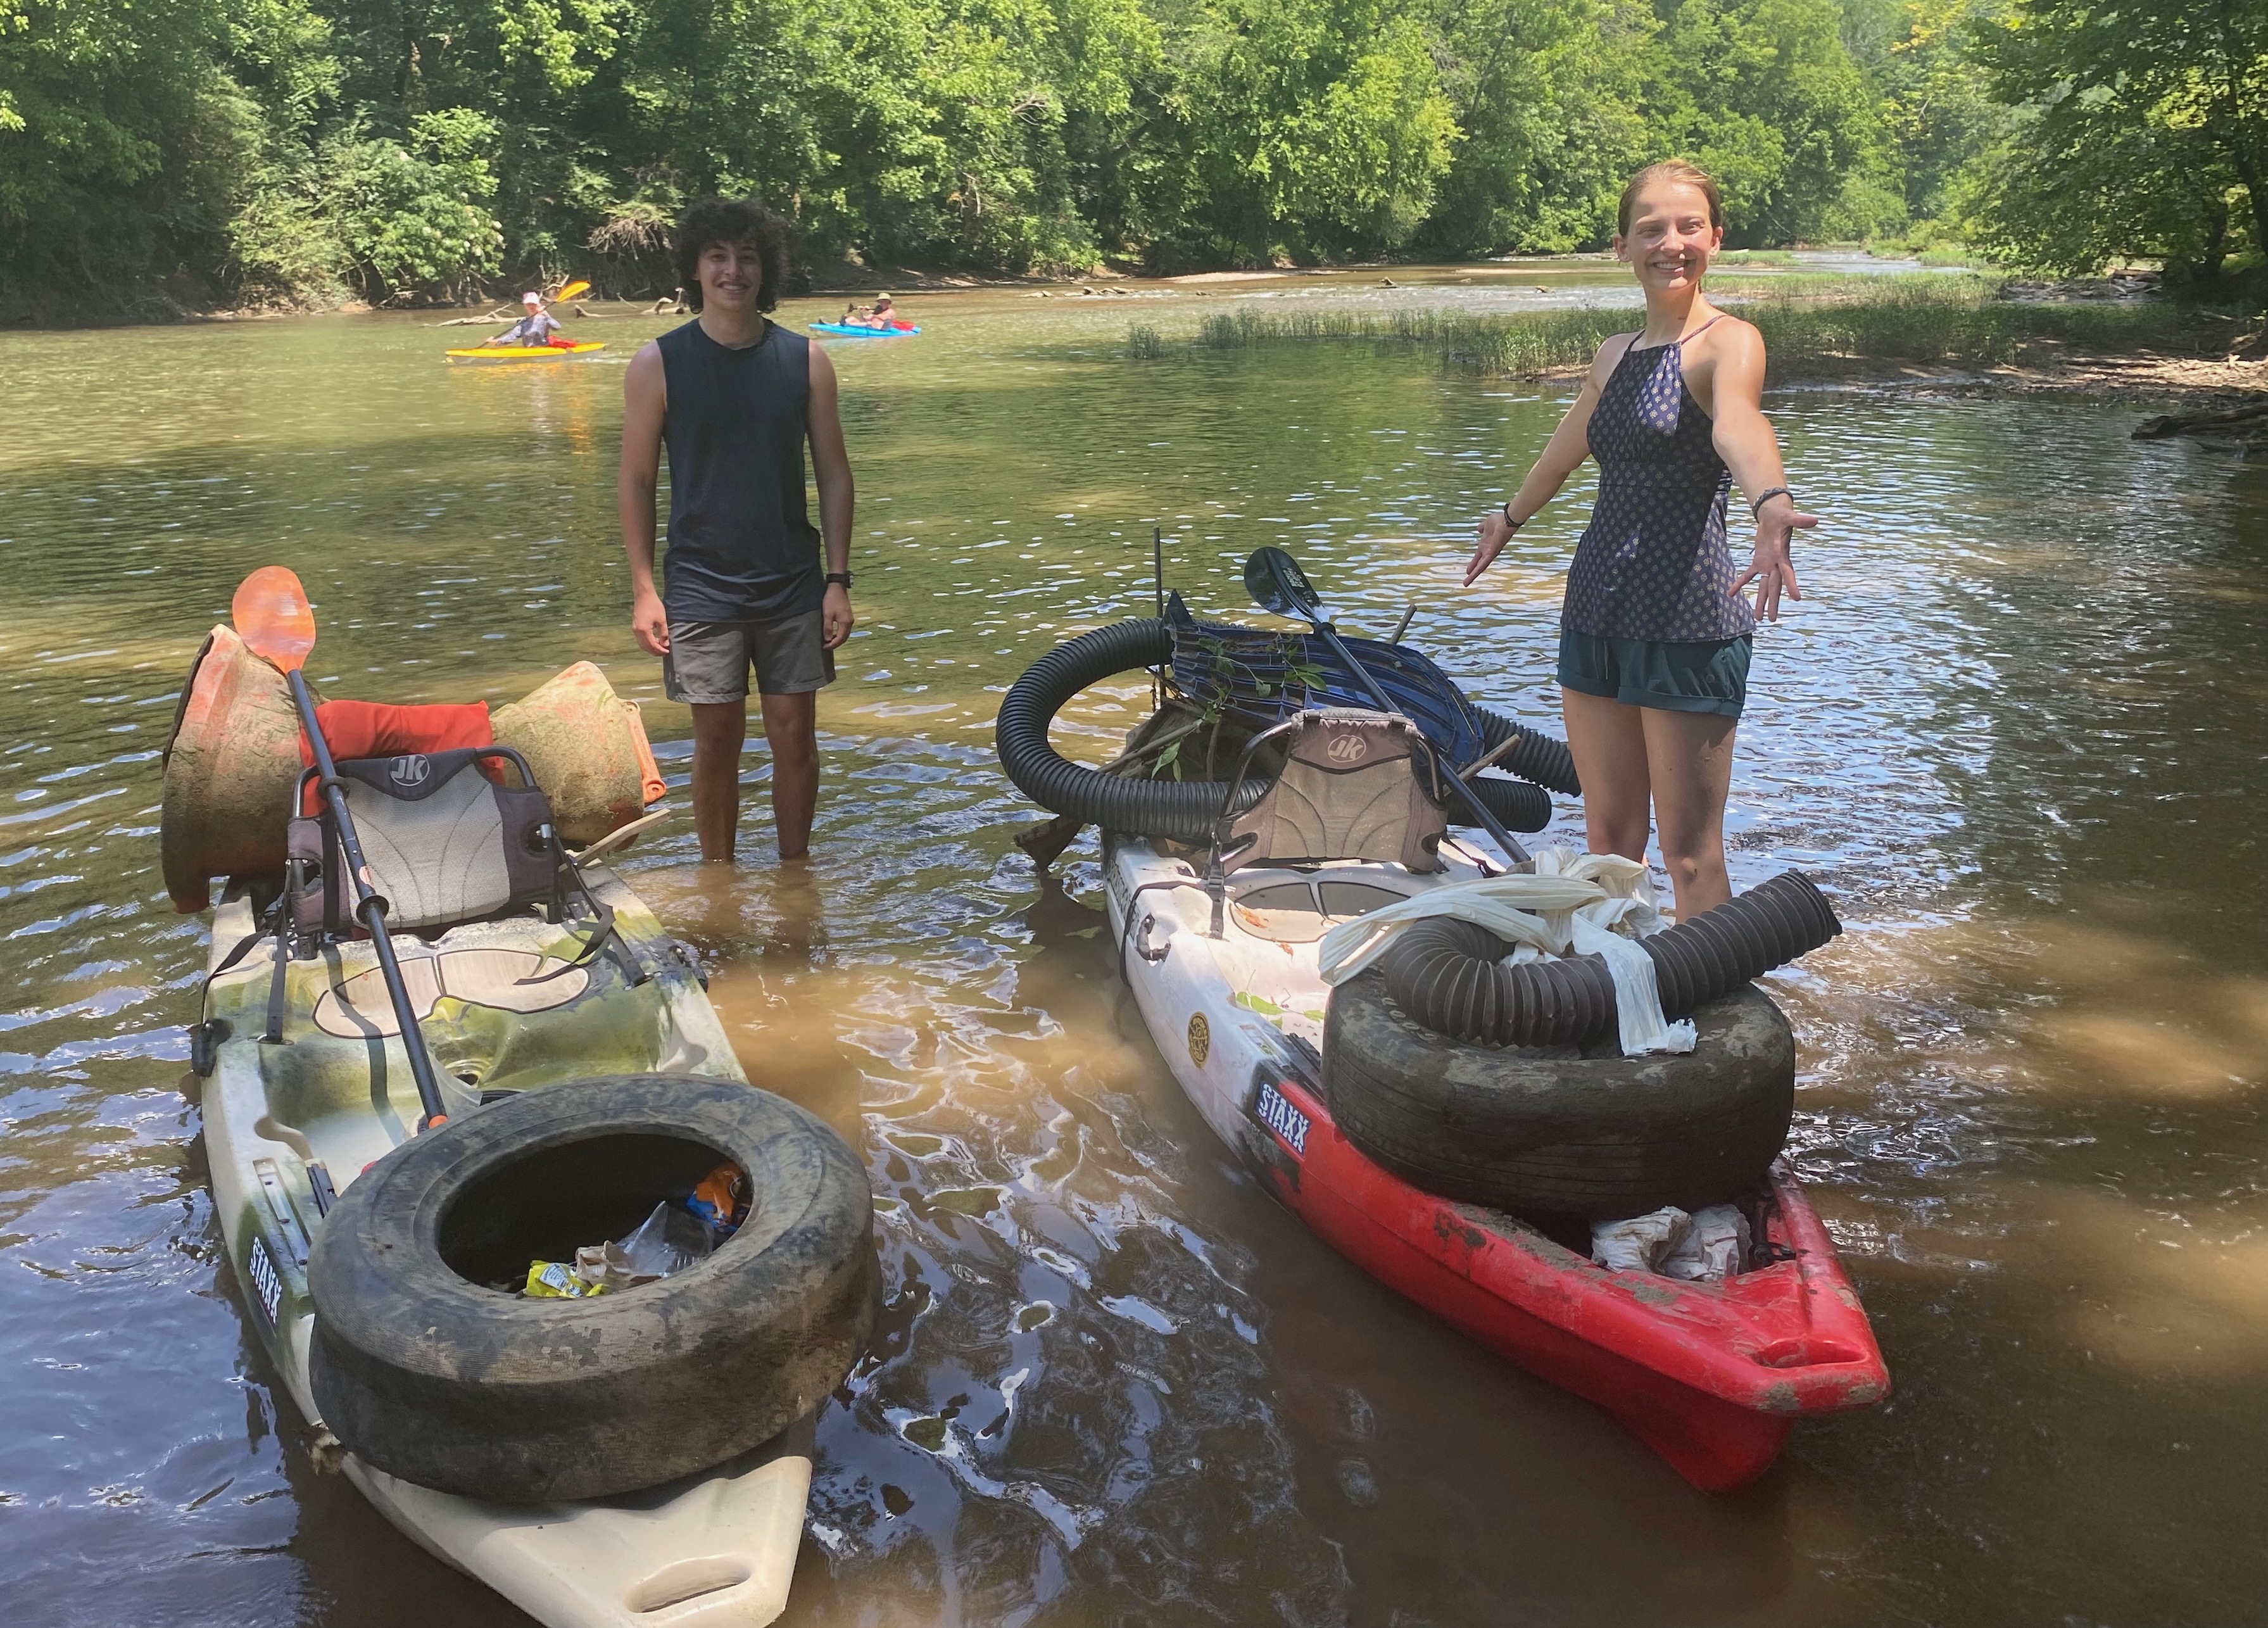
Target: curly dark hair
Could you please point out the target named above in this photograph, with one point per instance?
(709, 221)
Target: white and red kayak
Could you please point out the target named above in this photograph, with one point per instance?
(1711, 1375)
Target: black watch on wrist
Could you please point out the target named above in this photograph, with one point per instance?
(842, 577)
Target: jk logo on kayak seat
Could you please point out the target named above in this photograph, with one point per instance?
(410, 770)
(1347, 749)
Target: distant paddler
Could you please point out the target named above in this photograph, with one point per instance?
(536, 328)
(883, 313)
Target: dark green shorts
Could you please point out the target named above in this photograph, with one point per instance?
(1705, 675)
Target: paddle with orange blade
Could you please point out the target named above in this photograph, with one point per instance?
(276, 624)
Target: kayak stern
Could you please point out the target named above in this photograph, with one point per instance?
(714, 1550)
(1712, 1376)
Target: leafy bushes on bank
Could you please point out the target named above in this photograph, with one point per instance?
(296, 147)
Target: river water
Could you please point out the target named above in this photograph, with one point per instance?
(2016, 728)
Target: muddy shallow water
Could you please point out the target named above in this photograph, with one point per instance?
(2016, 727)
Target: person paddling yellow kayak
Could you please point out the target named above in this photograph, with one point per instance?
(535, 328)
(535, 337)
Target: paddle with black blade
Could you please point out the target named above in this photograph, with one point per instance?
(276, 624)
(1277, 585)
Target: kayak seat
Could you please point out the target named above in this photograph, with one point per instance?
(444, 841)
(1355, 785)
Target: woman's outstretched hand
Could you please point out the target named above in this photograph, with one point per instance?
(1771, 569)
(1496, 530)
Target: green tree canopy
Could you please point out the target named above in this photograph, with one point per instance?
(2142, 130)
(421, 149)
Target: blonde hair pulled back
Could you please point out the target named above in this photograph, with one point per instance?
(1674, 170)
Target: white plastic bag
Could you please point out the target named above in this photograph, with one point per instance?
(1567, 904)
(1715, 1249)
(1641, 1243)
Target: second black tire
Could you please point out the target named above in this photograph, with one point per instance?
(427, 1367)
(1188, 811)
(1599, 1138)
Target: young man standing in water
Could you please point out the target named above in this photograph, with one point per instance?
(735, 397)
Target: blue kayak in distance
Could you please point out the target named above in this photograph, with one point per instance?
(845, 330)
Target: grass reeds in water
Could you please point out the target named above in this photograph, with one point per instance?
(1811, 325)
(1145, 344)
(1529, 342)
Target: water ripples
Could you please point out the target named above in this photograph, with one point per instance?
(2013, 728)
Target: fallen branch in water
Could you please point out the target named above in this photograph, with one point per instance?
(2242, 430)
(502, 313)
(2164, 424)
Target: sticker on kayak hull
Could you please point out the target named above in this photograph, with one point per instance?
(1272, 1110)
(267, 1287)
(1200, 1039)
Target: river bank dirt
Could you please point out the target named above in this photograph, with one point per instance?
(2143, 375)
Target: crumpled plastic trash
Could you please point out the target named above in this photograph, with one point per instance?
(1641, 1243)
(1715, 1249)
(665, 1243)
(554, 1280)
(1708, 1246)
(722, 1200)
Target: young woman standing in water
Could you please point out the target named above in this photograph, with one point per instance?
(1654, 635)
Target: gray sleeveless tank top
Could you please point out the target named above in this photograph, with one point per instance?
(1653, 563)
(742, 544)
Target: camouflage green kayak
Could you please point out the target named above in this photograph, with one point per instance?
(296, 1109)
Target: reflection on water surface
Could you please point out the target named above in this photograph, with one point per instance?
(2016, 727)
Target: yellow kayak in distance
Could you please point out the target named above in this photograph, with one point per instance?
(527, 353)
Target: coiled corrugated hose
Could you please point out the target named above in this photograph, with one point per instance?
(1446, 975)
(1537, 757)
(1182, 810)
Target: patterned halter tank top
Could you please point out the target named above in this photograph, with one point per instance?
(1653, 563)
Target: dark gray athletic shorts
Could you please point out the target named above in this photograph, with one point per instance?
(708, 662)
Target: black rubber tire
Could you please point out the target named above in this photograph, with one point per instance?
(431, 1376)
(1538, 1133)
(1186, 811)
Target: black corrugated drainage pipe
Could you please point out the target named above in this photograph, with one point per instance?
(1446, 975)
(1182, 810)
(1537, 757)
